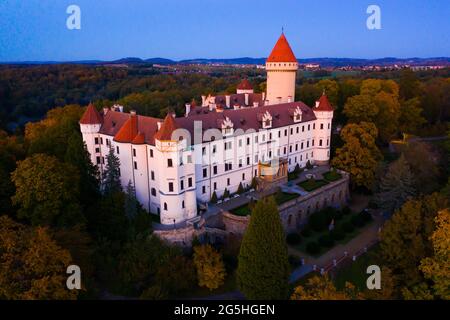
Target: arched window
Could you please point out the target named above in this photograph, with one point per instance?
(165, 206)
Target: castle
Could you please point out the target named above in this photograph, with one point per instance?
(176, 164)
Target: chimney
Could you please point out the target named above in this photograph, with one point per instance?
(236, 107)
(212, 106)
(317, 104)
(203, 101)
(263, 96)
(246, 98)
(255, 104)
(219, 109)
(289, 99)
(159, 123)
(188, 109)
(133, 113)
(120, 108)
(227, 100)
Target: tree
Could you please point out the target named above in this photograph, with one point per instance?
(240, 189)
(435, 268)
(409, 84)
(261, 275)
(210, 268)
(47, 191)
(388, 115)
(360, 108)
(411, 119)
(396, 186)
(78, 156)
(176, 276)
(32, 265)
(405, 238)
(111, 175)
(131, 203)
(331, 88)
(322, 288)
(424, 166)
(359, 155)
(214, 197)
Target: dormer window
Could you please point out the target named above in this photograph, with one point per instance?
(297, 114)
(227, 127)
(266, 120)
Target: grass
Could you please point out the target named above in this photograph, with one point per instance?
(332, 176)
(312, 184)
(356, 271)
(241, 211)
(280, 198)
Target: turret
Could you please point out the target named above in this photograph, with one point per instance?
(281, 67)
(90, 124)
(323, 111)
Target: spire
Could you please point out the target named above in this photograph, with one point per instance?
(324, 104)
(282, 51)
(91, 116)
(167, 128)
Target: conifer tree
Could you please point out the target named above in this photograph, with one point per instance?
(397, 186)
(131, 203)
(263, 269)
(111, 175)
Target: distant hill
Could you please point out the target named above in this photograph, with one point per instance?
(324, 62)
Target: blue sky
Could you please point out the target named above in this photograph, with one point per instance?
(32, 30)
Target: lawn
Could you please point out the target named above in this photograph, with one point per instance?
(312, 184)
(356, 271)
(332, 176)
(280, 198)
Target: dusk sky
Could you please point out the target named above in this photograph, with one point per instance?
(35, 30)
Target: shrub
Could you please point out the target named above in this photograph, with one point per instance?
(214, 197)
(337, 234)
(313, 248)
(309, 166)
(306, 232)
(326, 241)
(293, 238)
(348, 227)
(240, 189)
(318, 221)
(358, 220)
(226, 194)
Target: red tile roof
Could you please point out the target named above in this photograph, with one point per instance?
(324, 104)
(139, 139)
(128, 131)
(245, 85)
(282, 51)
(167, 128)
(91, 116)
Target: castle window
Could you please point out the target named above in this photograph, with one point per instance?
(328, 125)
(182, 204)
(134, 152)
(279, 133)
(314, 126)
(189, 182)
(270, 154)
(309, 127)
(169, 163)
(296, 147)
(117, 150)
(135, 165)
(285, 132)
(228, 181)
(240, 163)
(165, 206)
(203, 189)
(215, 170)
(214, 149)
(170, 186)
(203, 150)
(240, 142)
(96, 140)
(303, 128)
(248, 141)
(152, 175)
(205, 172)
(243, 177)
(328, 142)
(292, 131)
(108, 142)
(98, 160)
(248, 161)
(101, 140)
(298, 128)
(312, 141)
(284, 150)
(321, 126)
(301, 146)
(307, 144)
(97, 150)
(154, 192)
(256, 139)
(151, 153)
(290, 148)
(320, 142)
(189, 159)
(182, 184)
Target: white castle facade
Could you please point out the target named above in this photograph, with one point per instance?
(177, 163)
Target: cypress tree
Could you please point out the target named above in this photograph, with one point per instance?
(263, 269)
(131, 203)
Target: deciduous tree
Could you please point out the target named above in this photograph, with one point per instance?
(210, 267)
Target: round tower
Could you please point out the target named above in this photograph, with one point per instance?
(322, 132)
(90, 124)
(281, 67)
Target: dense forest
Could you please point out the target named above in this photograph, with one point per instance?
(53, 202)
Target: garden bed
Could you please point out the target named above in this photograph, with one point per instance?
(312, 184)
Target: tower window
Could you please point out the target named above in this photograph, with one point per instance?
(152, 175)
(189, 182)
(154, 192)
(151, 153)
(169, 163)
(170, 186)
(165, 206)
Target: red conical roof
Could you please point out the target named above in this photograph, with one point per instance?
(128, 131)
(282, 51)
(324, 104)
(91, 116)
(245, 85)
(167, 128)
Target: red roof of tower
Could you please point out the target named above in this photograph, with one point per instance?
(324, 104)
(139, 139)
(245, 85)
(91, 116)
(128, 131)
(167, 128)
(282, 51)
